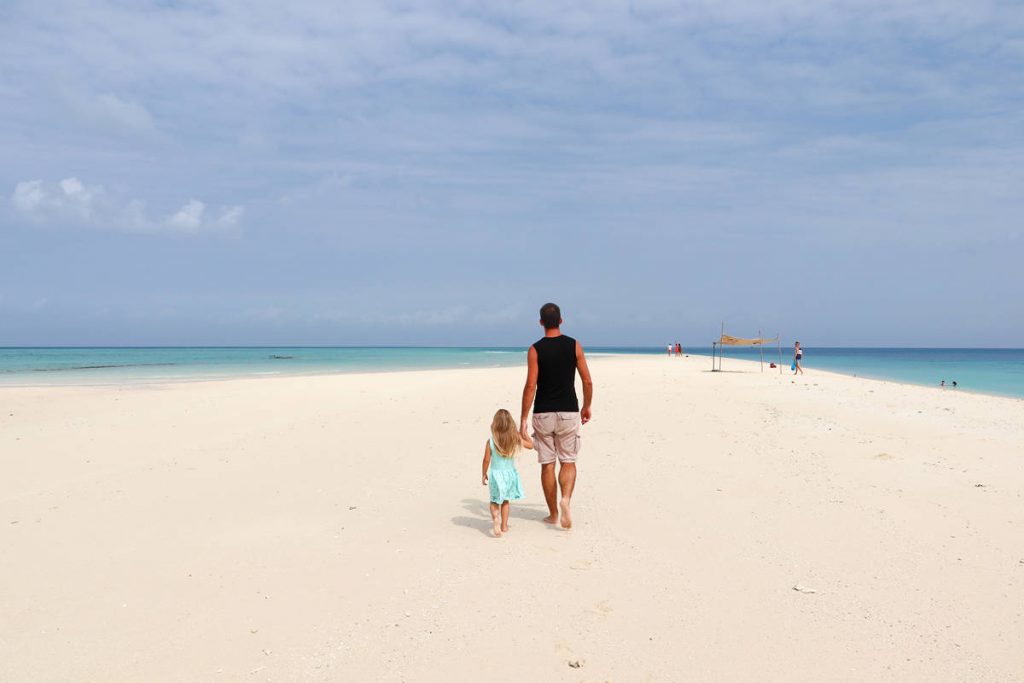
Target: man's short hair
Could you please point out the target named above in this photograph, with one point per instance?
(551, 316)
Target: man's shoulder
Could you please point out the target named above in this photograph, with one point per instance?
(560, 339)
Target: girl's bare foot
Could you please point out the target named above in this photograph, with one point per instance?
(550, 519)
(566, 517)
(505, 529)
(496, 529)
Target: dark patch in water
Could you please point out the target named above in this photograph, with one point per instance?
(100, 367)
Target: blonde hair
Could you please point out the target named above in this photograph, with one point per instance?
(505, 434)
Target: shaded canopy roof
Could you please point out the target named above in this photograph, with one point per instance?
(729, 340)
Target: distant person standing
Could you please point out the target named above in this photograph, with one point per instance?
(679, 349)
(551, 366)
(798, 356)
(669, 347)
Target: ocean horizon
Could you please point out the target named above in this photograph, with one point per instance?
(984, 370)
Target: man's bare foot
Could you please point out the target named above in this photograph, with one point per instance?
(566, 517)
(505, 529)
(496, 529)
(550, 519)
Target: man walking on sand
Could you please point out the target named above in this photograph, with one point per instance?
(551, 367)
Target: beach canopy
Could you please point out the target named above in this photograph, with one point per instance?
(729, 340)
(718, 347)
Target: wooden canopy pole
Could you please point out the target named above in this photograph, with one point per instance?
(721, 347)
(760, 346)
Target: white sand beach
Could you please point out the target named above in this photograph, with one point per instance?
(334, 528)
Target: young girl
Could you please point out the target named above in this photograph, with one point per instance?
(499, 468)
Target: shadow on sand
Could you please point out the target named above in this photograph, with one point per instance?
(481, 514)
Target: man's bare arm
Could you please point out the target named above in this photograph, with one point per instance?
(588, 383)
(530, 389)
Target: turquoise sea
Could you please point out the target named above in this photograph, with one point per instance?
(115, 365)
(995, 371)
(989, 371)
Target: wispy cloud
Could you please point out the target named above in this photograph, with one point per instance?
(71, 203)
(107, 111)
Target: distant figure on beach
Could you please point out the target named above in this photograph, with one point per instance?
(499, 467)
(679, 349)
(798, 355)
(942, 383)
(954, 384)
(551, 367)
(669, 347)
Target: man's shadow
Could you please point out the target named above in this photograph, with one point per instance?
(481, 514)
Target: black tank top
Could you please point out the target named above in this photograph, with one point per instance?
(556, 381)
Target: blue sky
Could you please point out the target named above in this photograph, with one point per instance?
(248, 172)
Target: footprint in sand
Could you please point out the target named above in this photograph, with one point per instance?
(581, 565)
(884, 456)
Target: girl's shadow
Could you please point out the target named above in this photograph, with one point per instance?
(481, 511)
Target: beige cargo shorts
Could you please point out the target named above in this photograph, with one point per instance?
(556, 435)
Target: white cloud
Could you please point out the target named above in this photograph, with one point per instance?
(28, 195)
(71, 186)
(71, 202)
(193, 217)
(230, 216)
(189, 217)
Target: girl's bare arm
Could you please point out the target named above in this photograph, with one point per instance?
(487, 462)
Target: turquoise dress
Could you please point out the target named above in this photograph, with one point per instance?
(503, 478)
